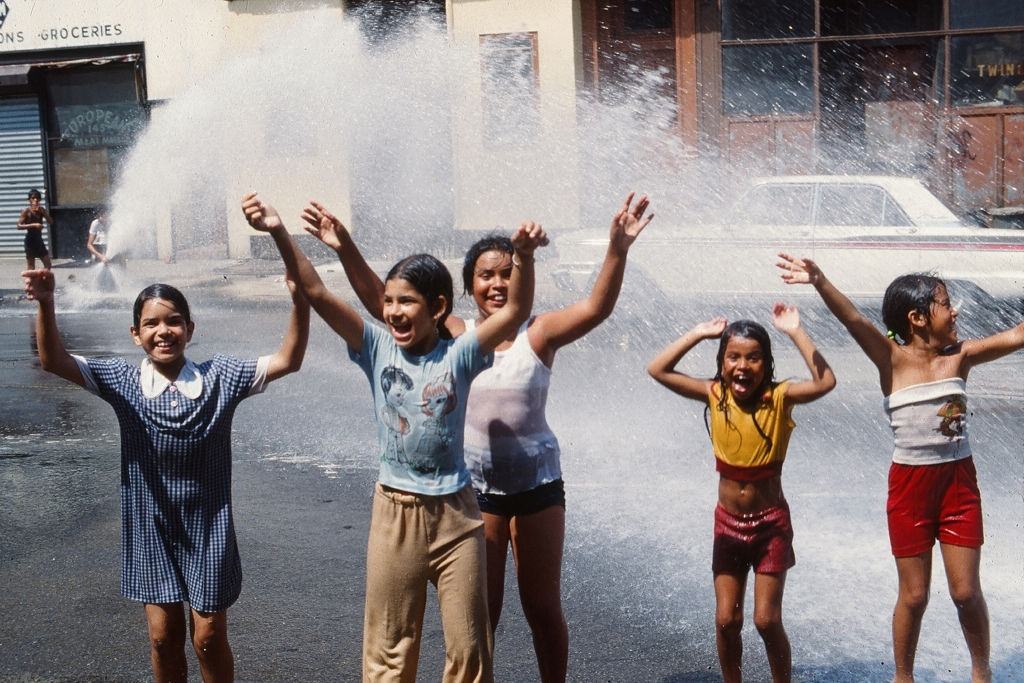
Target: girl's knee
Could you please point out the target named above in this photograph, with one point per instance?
(966, 596)
(166, 643)
(729, 622)
(210, 636)
(768, 621)
(914, 598)
(544, 617)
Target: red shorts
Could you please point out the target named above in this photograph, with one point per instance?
(933, 501)
(762, 540)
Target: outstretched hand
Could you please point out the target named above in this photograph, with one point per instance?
(797, 271)
(323, 225)
(261, 216)
(710, 329)
(785, 318)
(39, 284)
(629, 222)
(528, 237)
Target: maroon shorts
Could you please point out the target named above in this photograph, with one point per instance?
(933, 501)
(762, 540)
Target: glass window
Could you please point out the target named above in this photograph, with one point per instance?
(767, 79)
(778, 204)
(648, 15)
(861, 17)
(893, 214)
(985, 13)
(987, 70)
(509, 72)
(850, 205)
(754, 19)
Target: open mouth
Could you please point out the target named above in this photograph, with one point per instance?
(742, 384)
(401, 331)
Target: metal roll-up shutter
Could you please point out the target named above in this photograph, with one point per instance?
(21, 168)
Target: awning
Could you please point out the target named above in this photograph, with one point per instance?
(14, 74)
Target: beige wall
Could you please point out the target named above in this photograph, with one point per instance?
(485, 195)
(186, 40)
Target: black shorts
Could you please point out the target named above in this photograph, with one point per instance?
(525, 502)
(35, 247)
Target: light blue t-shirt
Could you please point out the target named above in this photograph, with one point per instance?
(420, 406)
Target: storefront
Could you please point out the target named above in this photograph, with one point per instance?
(930, 88)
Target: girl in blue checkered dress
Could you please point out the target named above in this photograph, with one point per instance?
(177, 533)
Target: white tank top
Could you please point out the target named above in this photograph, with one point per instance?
(929, 422)
(509, 447)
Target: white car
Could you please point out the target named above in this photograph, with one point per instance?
(862, 230)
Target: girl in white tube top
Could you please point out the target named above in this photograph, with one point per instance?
(933, 489)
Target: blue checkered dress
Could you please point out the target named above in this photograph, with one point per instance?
(177, 533)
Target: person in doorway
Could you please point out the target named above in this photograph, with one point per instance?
(97, 240)
(33, 219)
(750, 427)
(933, 485)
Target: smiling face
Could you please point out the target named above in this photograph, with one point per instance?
(162, 333)
(491, 275)
(942, 317)
(743, 368)
(410, 319)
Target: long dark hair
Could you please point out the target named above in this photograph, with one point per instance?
(910, 292)
(491, 242)
(165, 292)
(430, 278)
(747, 329)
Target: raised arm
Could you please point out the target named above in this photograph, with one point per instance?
(52, 354)
(368, 286)
(875, 344)
(663, 367)
(553, 330)
(341, 317)
(289, 356)
(977, 351)
(504, 322)
(823, 380)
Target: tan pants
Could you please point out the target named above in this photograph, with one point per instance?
(414, 539)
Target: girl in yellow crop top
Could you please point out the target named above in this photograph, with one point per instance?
(749, 425)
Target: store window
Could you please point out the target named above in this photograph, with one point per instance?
(767, 80)
(94, 116)
(509, 72)
(967, 14)
(648, 15)
(987, 70)
(766, 19)
(862, 17)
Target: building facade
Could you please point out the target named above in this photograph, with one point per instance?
(930, 88)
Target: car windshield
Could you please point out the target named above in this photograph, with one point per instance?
(778, 204)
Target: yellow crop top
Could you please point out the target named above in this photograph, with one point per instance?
(740, 449)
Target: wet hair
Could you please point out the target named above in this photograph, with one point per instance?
(907, 293)
(35, 194)
(492, 242)
(746, 329)
(431, 279)
(165, 292)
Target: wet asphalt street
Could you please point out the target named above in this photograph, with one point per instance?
(640, 486)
